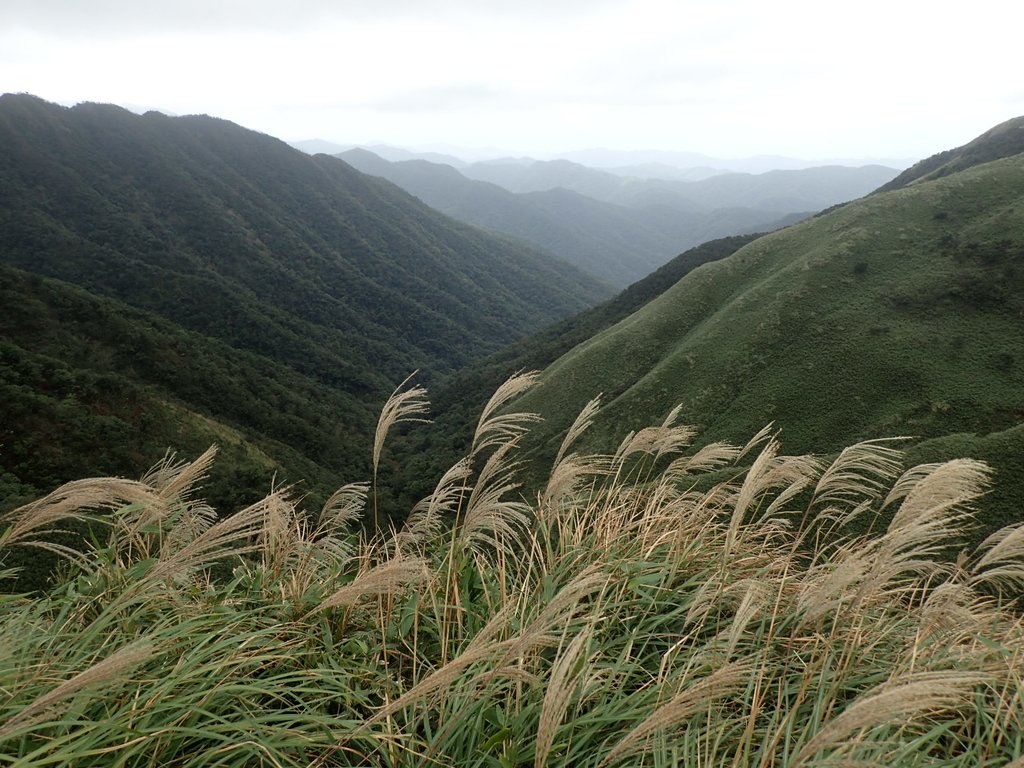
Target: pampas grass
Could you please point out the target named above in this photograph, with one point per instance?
(630, 611)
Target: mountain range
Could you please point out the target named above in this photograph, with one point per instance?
(616, 228)
(181, 280)
(613, 243)
(781, 191)
(652, 164)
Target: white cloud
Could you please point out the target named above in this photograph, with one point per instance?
(720, 76)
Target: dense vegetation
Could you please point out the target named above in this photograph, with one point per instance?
(91, 386)
(622, 618)
(238, 236)
(574, 591)
(205, 282)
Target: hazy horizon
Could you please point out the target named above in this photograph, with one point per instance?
(726, 79)
(582, 155)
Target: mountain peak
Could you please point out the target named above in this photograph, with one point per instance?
(1003, 140)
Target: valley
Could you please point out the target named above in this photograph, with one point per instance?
(165, 256)
(617, 228)
(341, 460)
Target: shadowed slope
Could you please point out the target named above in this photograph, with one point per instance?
(218, 228)
(275, 294)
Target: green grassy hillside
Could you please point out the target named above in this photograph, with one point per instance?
(899, 314)
(460, 396)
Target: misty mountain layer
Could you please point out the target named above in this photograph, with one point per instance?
(617, 229)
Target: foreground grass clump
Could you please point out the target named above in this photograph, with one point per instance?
(654, 607)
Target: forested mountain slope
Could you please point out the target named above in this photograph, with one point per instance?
(198, 220)
(205, 246)
(90, 386)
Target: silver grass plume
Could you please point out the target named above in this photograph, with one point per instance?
(893, 703)
(696, 697)
(562, 682)
(78, 500)
(384, 579)
(709, 458)
(110, 669)
(494, 428)
(490, 518)
(427, 517)
(234, 535)
(401, 406)
(345, 506)
(570, 470)
(410, 405)
(933, 511)
(1002, 561)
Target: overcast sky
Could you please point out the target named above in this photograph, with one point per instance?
(730, 78)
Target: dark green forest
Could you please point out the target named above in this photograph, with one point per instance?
(171, 282)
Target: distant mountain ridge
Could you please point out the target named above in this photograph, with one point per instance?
(611, 159)
(618, 229)
(616, 244)
(647, 163)
(782, 191)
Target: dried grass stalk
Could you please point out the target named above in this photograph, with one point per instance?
(110, 669)
(722, 683)
(893, 703)
(565, 673)
(387, 578)
(76, 500)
